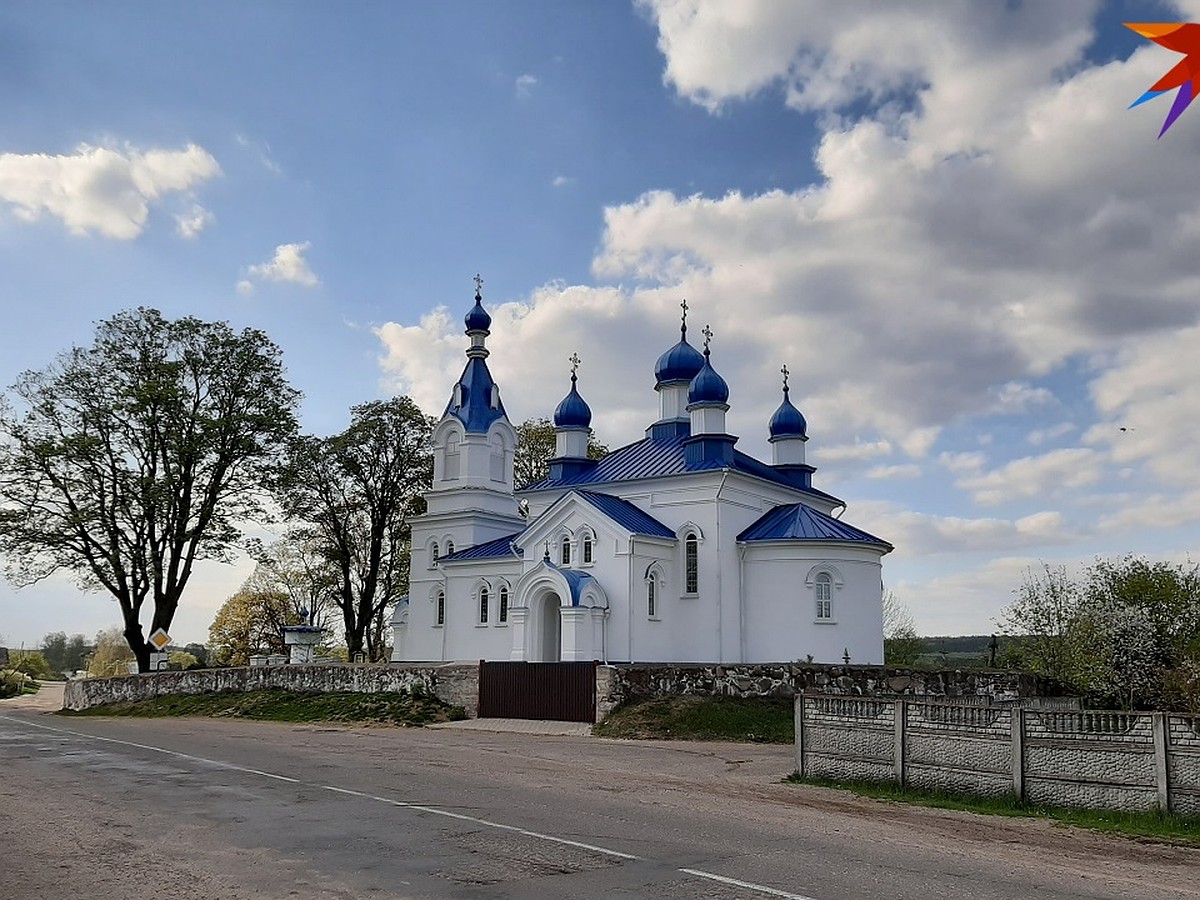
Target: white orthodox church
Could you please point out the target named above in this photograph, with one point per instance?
(675, 548)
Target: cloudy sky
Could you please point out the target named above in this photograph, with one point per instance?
(981, 268)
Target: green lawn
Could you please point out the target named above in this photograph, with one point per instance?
(762, 720)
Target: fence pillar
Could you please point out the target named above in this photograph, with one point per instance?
(1158, 727)
(1018, 752)
(901, 713)
(798, 718)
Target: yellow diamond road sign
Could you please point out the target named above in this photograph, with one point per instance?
(160, 639)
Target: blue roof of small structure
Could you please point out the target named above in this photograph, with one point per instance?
(501, 546)
(787, 420)
(575, 580)
(680, 363)
(657, 457)
(626, 514)
(797, 522)
(708, 386)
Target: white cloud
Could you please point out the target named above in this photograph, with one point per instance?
(882, 473)
(288, 265)
(859, 450)
(245, 288)
(963, 463)
(191, 223)
(919, 535)
(1040, 436)
(562, 181)
(102, 190)
(1016, 397)
(1036, 476)
(524, 84)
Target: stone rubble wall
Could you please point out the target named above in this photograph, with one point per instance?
(1090, 759)
(621, 683)
(453, 683)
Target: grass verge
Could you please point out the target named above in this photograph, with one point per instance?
(765, 720)
(290, 706)
(1146, 825)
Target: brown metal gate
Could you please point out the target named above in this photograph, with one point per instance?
(562, 691)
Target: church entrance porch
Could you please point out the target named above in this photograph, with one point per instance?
(560, 691)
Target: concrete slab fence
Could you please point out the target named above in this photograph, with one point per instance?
(1090, 759)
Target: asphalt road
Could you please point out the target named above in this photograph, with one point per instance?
(110, 808)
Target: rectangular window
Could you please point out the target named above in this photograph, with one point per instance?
(502, 613)
(650, 599)
(691, 564)
(483, 606)
(565, 554)
(441, 608)
(587, 550)
(824, 599)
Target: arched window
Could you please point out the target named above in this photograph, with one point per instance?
(502, 612)
(449, 548)
(651, 598)
(483, 606)
(496, 457)
(691, 563)
(441, 607)
(587, 549)
(452, 457)
(433, 554)
(564, 550)
(823, 591)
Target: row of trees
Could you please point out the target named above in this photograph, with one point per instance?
(125, 463)
(1125, 633)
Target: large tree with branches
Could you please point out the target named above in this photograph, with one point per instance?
(126, 462)
(356, 492)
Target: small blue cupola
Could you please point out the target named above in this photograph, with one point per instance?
(475, 400)
(673, 373)
(573, 411)
(681, 362)
(572, 429)
(789, 434)
(707, 387)
(787, 421)
(708, 401)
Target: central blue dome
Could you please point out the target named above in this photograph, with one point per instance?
(681, 363)
(708, 386)
(787, 421)
(573, 411)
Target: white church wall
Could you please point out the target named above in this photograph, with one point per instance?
(782, 622)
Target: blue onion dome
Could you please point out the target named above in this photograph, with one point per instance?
(573, 411)
(478, 319)
(787, 421)
(708, 386)
(681, 362)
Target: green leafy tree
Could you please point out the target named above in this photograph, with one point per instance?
(199, 651)
(248, 624)
(356, 492)
(181, 659)
(536, 447)
(29, 662)
(111, 656)
(54, 649)
(1127, 633)
(295, 565)
(139, 455)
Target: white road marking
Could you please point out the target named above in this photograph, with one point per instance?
(432, 810)
(749, 885)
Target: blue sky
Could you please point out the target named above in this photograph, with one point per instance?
(977, 263)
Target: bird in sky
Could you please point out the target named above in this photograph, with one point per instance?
(1182, 38)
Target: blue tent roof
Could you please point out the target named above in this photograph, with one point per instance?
(476, 413)
(655, 457)
(501, 546)
(797, 522)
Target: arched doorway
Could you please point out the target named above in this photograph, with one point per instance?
(548, 645)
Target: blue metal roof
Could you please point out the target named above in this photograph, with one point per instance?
(787, 421)
(680, 363)
(573, 411)
(501, 546)
(575, 580)
(657, 457)
(708, 386)
(626, 514)
(797, 522)
(476, 412)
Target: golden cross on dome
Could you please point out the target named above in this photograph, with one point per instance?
(685, 309)
(785, 372)
(707, 332)
(574, 360)
(478, 283)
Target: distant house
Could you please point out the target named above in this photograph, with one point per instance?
(675, 548)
